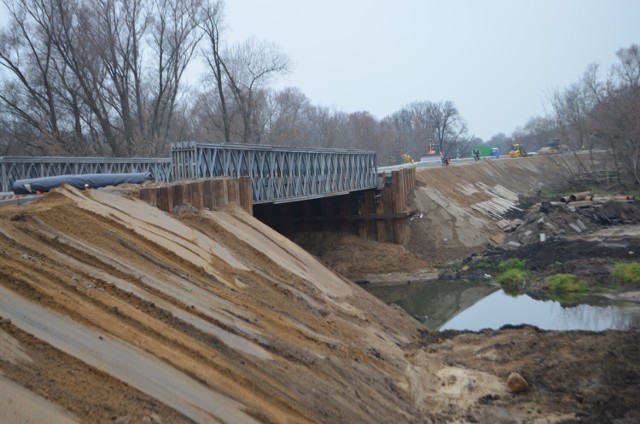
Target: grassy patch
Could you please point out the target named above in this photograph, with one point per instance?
(626, 272)
(513, 263)
(482, 265)
(566, 283)
(513, 275)
(566, 288)
(512, 280)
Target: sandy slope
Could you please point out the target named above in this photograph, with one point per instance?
(112, 311)
(215, 317)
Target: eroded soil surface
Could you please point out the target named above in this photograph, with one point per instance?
(112, 311)
(587, 377)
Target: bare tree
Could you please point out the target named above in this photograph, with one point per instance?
(400, 127)
(448, 126)
(248, 68)
(290, 120)
(616, 120)
(362, 131)
(438, 125)
(603, 113)
(29, 94)
(175, 34)
(211, 24)
(75, 73)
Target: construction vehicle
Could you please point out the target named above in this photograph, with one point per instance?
(406, 158)
(554, 147)
(517, 151)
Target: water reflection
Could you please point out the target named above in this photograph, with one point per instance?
(457, 305)
(433, 302)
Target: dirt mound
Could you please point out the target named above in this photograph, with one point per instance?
(356, 258)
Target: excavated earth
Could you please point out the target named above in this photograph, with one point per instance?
(113, 311)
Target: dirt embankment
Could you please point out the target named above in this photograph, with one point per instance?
(112, 311)
(486, 209)
(459, 210)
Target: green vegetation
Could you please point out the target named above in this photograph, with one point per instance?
(566, 283)
(512, 280)
(513, 275)
(482, 265)
(626, 272)
(566, 288)
(513, 263)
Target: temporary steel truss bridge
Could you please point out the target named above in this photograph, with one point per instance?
(279, 174)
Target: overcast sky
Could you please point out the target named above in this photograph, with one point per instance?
(499, 61)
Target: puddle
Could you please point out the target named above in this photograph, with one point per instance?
(458, 305)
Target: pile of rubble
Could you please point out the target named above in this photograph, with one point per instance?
(580, 213)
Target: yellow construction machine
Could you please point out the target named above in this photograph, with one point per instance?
(517, 150)
(406, 158)
(554, 147)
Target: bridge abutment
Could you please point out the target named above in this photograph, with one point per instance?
(378, 214)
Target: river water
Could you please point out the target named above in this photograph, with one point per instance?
(460, 305)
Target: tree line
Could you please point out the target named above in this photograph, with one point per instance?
(109, 78)
(601, 112)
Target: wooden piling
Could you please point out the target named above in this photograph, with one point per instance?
(201, 194)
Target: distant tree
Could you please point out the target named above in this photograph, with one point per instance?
(616, 116)
(96, 77)
(466, 144)
(448, 127)
(290, 120)
(34, 77)
(502, 141)
(248, 67)
(572, 108)
(211, 24)
(362, 131)
(403, 135)
(422, 126)
(602, 113)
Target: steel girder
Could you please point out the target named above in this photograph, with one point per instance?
(22, 167)
(279, 174)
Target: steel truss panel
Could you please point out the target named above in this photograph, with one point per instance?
(23, 167)
(279, 174)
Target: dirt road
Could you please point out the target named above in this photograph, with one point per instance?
(112, 311)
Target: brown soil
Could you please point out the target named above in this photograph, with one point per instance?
(112, 311)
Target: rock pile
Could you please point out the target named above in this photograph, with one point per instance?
(574, 215)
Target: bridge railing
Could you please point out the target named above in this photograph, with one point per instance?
(21, 167)
(279, 174)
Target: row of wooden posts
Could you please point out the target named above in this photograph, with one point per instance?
(210, 194)
(378, 214)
